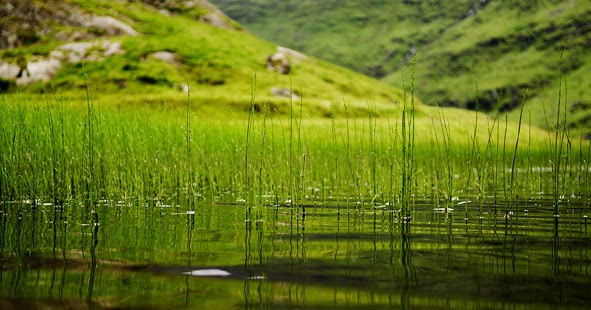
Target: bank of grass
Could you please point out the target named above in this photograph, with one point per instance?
(217, 64)
(56, 150)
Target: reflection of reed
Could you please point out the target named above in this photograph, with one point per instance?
(509, 233)
(555, 252)
(2, 237)
(93, 244)
(254, 259)
(190, 228)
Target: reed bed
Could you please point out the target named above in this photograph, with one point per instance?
(55, 151)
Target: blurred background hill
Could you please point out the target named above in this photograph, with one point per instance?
(475, 54)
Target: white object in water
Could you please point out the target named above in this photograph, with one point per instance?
(207, 273)
(443, 209)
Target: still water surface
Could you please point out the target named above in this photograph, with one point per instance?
(162, 255)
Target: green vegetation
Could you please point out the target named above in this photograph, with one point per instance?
(506, 47)
(58, 150)
(119, 200)
(218, 65)
(112, 203)
(122, 176)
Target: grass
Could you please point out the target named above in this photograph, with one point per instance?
(175, 188)
(216, 63)
(57, 150)
(507, 46)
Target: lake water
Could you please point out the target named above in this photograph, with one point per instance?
(155, 254)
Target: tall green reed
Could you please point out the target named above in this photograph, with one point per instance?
(408, 144)
(53, 149)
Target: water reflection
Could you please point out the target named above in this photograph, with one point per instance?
(148, 253)
(190, 229)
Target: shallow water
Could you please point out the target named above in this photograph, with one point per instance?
(170, 255)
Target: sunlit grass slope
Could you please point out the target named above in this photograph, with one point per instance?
(222, 68)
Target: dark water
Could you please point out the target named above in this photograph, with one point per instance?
(152, 254)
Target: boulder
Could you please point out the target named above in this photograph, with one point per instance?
(279, 62)
(166, 56)
(8, 71)
(41, 70)
(110, 25)
(284, 92)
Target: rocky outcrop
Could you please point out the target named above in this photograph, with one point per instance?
(38, 70)
(110, 25)
(295, 56)
(27, 22)
(42, 69)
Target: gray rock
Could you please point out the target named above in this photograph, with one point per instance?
(8, 71)
(87, 51)
(166, 57)
(284, 92)
(279, 62)
(112, 48)
(43, 69)
(110, 25)
(75, 52)
(40, 70)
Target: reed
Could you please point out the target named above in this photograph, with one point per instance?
(53, 150)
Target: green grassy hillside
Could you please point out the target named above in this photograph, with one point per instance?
(164, 48)
(466, 50)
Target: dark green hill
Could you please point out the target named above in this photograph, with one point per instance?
(153, 51)
(496, 49)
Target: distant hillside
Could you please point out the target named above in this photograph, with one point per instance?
(466, 49)
(154, 51)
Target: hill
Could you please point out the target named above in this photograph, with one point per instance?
(150, 51)
(467, 51)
